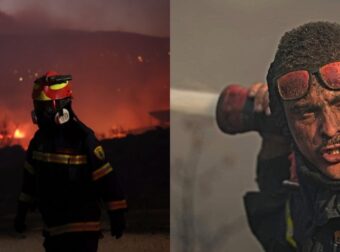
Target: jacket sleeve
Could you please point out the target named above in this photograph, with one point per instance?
(105, 176)
(268, 211)
(27, 194)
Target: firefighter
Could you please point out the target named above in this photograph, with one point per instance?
(303, 94)
(66, 173)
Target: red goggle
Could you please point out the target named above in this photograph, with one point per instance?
(294, 85)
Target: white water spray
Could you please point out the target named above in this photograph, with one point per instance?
(193, 102)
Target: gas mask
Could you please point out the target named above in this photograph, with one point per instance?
(51, 113)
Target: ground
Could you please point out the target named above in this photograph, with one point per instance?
(11, 242)
(156, 240)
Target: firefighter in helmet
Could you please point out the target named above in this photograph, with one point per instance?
(67, 174)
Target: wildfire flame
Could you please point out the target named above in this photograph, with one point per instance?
(117, 132)
(18, 134)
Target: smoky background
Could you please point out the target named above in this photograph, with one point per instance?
(213, 44)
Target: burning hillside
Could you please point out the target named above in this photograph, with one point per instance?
(118, 78)
(11, 134)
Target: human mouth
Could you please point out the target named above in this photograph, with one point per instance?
(331, 153)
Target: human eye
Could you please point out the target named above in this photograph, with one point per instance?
(307, 114)
(336, 101)
(337, 104)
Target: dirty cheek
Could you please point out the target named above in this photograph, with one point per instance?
(302, 137)
(337, 116)
(303, 133)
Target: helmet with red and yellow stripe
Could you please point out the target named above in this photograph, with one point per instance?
(51, 95)
(52, 86)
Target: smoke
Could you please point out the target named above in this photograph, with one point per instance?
(150, 17)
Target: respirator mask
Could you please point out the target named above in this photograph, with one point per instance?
(51, 113)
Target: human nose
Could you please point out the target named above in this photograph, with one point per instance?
(330, 124)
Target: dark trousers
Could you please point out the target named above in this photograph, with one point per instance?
(72, 242)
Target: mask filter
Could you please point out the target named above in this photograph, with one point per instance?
(61, 118)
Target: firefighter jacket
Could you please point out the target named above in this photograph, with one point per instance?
(306, 218)
(67, 174)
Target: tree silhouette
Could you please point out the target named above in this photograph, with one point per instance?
(6, 138)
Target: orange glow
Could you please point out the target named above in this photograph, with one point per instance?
(113, 104)
(119, 135)
(18, 134)
(117, 132)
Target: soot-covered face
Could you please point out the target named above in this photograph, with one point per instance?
(314, 122)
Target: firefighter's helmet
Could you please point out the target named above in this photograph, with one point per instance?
(52, 86)
(51, 94)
